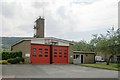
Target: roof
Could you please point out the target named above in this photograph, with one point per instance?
(62, 40)
(21, 41)
(83, 52)
(40, 18)
(29, 39)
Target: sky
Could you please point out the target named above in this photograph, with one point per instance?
(66, 19)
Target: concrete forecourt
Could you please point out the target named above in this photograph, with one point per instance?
(55, 71)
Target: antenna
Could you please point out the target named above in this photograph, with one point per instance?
(43, 11)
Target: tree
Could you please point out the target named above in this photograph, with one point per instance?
(108, 44)
(82, 46)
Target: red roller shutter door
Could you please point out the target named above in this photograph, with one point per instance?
(60, 54)
(40, 54)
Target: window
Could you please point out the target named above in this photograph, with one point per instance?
(34, 49)
(46, 55)
(55, 51)
(34, 53)
(40, 48)
(60, 55)
(46, 52)
(40, 52)
(46, 49)
(65, 56)
(60, 51)
(65, 51)
(55, 55)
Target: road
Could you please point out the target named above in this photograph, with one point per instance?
(55, 71)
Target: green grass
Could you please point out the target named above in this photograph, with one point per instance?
(103, 66)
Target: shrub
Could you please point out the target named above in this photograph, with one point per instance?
(12, 61)
(15, 60)
(11, 54)
(3, 62)
(20, 62)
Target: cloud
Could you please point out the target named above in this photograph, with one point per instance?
(9, 10)
(84, 2)
(62, 17)
(40, 4)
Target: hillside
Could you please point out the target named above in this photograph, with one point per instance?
(8, 41)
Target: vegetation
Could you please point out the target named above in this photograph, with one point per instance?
(103, 66)
(82, 46)
(3, 62)
(8, 41)
(10, 54)
(15, 60)
(108, 44)
(12, 57)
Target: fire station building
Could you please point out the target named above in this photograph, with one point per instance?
(44, 50)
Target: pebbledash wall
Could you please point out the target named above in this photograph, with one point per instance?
(46, 50)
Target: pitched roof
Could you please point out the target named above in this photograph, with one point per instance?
(83, 52)
(29, 39)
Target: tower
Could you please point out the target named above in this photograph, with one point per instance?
(39, 28)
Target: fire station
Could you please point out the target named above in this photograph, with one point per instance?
(44, 50)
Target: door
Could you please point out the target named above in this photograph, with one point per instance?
(48, 54)
(81, 58)
(40, 54)
(77, 59)
(59, 54)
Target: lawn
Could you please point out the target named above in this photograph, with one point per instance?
(103, 66)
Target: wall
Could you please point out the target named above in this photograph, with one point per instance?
(70, 54)
(88, 58)
(40, 28)
(23, 46)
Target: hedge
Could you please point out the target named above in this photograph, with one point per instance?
(3, 62)
(11, 54)
(15, 60)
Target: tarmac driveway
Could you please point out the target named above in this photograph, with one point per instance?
(55, 71)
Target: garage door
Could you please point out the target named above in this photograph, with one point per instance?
(48, 54)
(40, 54)
(60, 54)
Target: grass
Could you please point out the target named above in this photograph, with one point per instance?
(111, 66)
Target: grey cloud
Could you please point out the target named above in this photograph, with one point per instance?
(25, 27)
(40, 4)
(61, 12)
(8, 9)
(52, 25)
(86, 2)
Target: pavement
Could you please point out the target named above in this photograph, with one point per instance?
(55, 71)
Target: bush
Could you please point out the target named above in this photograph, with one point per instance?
(12, 61)
(15, 60)
(3, 62)
(11, 54)
(20, 62)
